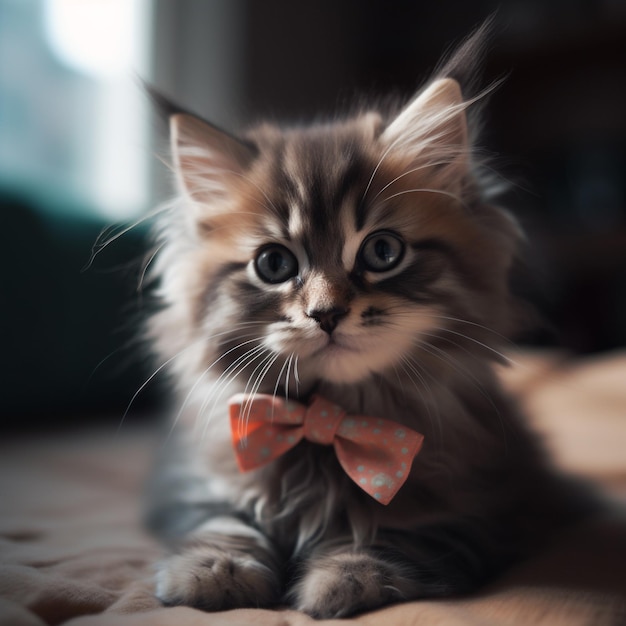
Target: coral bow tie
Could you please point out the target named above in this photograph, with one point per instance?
(375, 453)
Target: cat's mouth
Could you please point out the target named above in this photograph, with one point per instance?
(334, 345)
(341, 359)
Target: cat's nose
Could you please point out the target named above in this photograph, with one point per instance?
(328, 318)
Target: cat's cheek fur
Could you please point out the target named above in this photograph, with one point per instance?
(359, 353)
(360, 346)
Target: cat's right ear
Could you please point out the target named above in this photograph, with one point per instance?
(434, 123)
(207, 160)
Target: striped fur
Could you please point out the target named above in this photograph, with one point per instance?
(414, 344)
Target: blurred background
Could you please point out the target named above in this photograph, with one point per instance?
(79, 146)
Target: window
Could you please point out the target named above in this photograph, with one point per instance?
(73, 118)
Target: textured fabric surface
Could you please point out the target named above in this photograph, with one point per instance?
(72, 549)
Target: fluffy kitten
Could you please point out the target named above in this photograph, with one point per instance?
(358, 260)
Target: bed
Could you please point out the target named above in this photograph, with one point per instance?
(73, 551)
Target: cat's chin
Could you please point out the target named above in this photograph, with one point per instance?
(337, 348)
(345, 359)
(339, 363)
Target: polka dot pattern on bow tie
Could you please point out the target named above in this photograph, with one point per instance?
(375, 453)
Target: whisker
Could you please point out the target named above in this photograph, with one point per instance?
(269, 362)
(104, 240)
(229, 374)
(401, 138)
(449, 194)
(400, 381)
(481, 326)
(247, 407)
(480, 343)
(412, 364)
(411, 171)
(147, 381)
(200, 378)
(241, 325)
(390, 147)
(287, 376)
(501, 356)
(144, 270)
(446, 357)
(247, 178)
(102, 362)
(369, 182)
(280, 373)
(297, 375)
(282, 369)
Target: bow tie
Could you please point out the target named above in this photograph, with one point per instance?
(375, 453)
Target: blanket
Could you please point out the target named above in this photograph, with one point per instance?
(73, 551)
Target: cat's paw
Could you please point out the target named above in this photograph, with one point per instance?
(211, 579)
(342, 584)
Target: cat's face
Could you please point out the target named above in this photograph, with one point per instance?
(339, 249)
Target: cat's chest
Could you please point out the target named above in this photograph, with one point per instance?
(407, 407)
(211, 436)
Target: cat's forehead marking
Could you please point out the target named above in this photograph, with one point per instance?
(274, 229)
(296, 224)
(353, 239)
(290, 167)
(316, 181)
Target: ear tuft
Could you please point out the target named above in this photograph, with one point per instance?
(433, 123)
(206, 158)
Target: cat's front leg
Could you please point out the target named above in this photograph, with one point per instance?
(344, 580)
(222, 564)
(432, 561)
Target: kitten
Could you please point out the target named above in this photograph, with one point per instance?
(358, 261)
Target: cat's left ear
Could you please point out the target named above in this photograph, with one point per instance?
(207, 160)
(432, 127)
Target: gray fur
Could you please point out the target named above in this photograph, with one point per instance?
(415, 344)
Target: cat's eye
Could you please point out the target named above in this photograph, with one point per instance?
(276, 264)
(381, 252)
